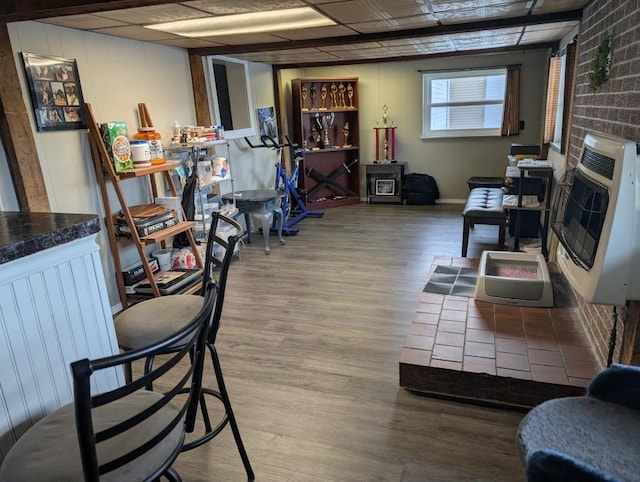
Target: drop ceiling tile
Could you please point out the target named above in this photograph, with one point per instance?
(395, 24)
(358, 11)
(137, 33)
(488, 33)
(421, 42)
(153, 14)
(552, 26)
(558, 6)
(230, 7)
(300, 55)
(189, 43)
(451, 5)
(353, 46)
(317, 32)
(535, 36)
(485, 42)
(83, 21)
(244, 39)
(502, 10)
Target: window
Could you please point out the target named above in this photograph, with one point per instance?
(463, 104)
(559, 97)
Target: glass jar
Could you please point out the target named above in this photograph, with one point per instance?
(155, 143)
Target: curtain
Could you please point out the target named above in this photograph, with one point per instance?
(553, 88)
(569, 84)
(511, 116)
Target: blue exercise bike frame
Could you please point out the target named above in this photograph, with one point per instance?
(293, 207)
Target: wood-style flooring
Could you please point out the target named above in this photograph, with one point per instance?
(310, 343)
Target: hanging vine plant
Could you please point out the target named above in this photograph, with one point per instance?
(601, 65)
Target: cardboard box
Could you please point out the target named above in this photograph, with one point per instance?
(116, 140)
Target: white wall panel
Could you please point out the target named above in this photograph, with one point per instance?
(53, 311)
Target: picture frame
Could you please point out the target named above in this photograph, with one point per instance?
(56, 95)
(385, 187)
(267, 123)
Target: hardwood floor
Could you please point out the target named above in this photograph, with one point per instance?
(310, 343)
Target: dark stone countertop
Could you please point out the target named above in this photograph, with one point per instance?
(22, 234)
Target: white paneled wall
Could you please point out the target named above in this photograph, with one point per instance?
(53, 311)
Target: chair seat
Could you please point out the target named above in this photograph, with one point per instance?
(154, 319)
(49, 450)
(600, 434)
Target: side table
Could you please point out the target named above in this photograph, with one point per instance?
(264, 203)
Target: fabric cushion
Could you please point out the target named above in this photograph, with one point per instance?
(552, 466)
(152, 320)
(618, 384)
(483, 202)
(601, 435)
(49, 450)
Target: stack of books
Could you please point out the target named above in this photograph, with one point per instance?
(148, 219)
(170, 282)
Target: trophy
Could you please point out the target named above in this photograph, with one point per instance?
(325, 123)
(315, 136)
(341, 99)
(384, 114)
(304, 98)
(350, 95)
(313, 96)
(323, 96)
(345, 132)
(334, 93)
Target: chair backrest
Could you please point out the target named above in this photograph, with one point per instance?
(220, 250)
(180, 374)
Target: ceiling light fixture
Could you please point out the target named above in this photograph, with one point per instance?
(245, 23)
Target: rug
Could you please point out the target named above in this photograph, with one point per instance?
(452, 280)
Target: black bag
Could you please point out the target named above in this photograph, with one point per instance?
(419, 189)
(181, 240)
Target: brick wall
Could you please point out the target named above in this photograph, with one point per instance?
(615, 110)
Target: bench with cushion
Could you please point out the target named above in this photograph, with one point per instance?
(484, 206)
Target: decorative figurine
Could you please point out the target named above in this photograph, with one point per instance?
(313, 96)
(334, 97)
(323, 96)
(384, 114)
(341, 99)
(350, 95)
(315, 136)
(345, 132)
(304, 98)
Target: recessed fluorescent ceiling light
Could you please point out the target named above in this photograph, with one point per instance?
(257, 22)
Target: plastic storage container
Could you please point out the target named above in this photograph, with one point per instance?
(155, 143)
(140, 153)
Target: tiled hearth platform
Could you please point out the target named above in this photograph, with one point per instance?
(477, 351)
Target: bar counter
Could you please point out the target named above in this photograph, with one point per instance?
(54, 310)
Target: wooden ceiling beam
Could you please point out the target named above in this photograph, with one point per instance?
(17, 135)
(394, 35)
(21, 10)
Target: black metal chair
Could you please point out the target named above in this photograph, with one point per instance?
(153, 318)
(128, 433)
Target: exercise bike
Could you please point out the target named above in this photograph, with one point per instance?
(293, 206)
